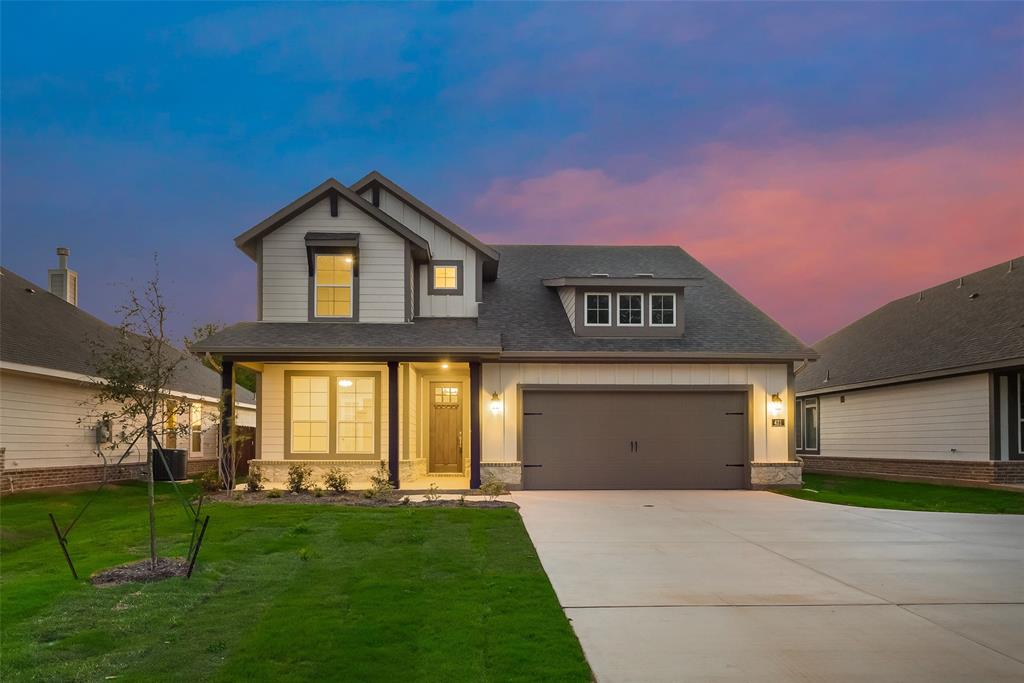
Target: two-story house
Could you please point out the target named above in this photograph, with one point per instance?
(387, 332)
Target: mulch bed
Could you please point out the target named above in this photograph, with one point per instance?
(350, 498)
(142, 570)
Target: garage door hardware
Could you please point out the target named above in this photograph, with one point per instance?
(734, 464)
(533, 413)
(525, 465)
(634, 446)
(735, 413)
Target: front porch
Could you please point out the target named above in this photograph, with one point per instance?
(419, 418)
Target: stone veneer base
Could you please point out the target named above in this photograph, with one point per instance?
(775, 475)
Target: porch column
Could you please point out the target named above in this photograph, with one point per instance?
(475, 373)
(393, 422)
(227, 423)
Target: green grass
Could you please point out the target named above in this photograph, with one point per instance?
(282, 593)
(899, 495)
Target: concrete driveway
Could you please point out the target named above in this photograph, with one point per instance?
(754, 586)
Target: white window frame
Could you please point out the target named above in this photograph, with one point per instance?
(351, 286)
(618, 308)
(586, 306)
(801, 409)
(192, 428)
(675, 309)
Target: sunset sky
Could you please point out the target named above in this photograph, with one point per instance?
(822, 158)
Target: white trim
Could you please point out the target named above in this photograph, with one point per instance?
(87, 379)
(618, 309)
(675, 308)
(585, 309)
(915, 377)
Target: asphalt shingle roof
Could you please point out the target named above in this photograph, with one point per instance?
(42, 330)
(949, 326)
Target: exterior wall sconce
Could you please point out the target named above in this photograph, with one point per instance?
(495, 404)
(444, 366)
(775, 405)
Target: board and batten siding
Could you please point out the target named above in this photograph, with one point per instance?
(285, 269)
(568, 297)
(272, 402)
(443, 246)
(499, 433)
(921, 420)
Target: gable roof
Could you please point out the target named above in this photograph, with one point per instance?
(42, 330)
(489, 253)
(970, 321)
(719, 322)
(247, 240)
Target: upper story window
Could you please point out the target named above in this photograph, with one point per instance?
(445, 278)
(598, 309)
(333, 284)
(663, 310)
(631, 310)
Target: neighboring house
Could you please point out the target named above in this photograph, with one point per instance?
(385, 332)
(928, 386)
(45, 364)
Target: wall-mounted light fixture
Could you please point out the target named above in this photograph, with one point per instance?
(495, 404)
(775, 405)
(444, 366)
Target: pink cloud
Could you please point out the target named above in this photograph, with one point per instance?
(816, 232)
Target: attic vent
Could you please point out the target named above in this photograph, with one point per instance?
(599, 275)
(643, 274)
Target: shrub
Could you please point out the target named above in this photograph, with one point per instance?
(433, 493)
(336, 480)
(406, 500)
(273, 493)
(254, 482)
(300, 478)
(380, 483)
(209, 480)
(318, 492)
(492, 488)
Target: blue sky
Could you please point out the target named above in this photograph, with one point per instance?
(134, 128)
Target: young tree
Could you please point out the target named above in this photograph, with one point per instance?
(133, 371)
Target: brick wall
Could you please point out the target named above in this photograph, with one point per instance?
(985, 471)
(46, 477)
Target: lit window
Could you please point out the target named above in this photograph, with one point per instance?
(309, 420)
(446, 277)
(334, 285)
(357, 414)
(631, 310)
(170, 439)
(446, 395)
(195, 425)
(598, 309)
(663, 310)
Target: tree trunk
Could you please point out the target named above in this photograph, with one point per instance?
(152, 496)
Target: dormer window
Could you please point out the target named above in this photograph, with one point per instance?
(631, 310)
(445, 278)
(663, 310)
(333, 284)
(598, 309)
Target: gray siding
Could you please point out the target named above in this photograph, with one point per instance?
(285, 280)
(923, 420)
(568, 297)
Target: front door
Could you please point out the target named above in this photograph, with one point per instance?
(445, 427)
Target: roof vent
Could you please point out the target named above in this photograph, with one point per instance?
(920, 296)
(1010, 269)
(972, 295)
(960, 283)
(643, 275)
(828, 375)
(599, 275)
(62, 280)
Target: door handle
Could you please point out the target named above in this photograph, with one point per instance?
(458, 441)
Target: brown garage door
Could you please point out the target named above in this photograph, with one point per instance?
(634, 439)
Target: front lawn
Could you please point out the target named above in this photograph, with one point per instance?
(282, 593)
(901, 495)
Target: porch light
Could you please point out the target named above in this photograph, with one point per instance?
(495, 404)
(775, 405)
(348, 259)
(444, 366)
(345, 383)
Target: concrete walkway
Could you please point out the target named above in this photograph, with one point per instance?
(754, 586)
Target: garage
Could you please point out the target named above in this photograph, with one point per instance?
(635, 438)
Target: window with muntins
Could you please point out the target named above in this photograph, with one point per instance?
(333, 282)
(598, 309)
(357, 412)
(631, 310)
(446, 277)
(195, 426)
(663, 310)
(309, 414)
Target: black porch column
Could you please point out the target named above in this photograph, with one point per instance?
(475, 372)
(393, 422)
(227, 423)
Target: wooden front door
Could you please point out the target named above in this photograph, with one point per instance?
(445, 427)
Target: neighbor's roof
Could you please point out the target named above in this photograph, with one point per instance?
(967, 322)
(42, 330)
